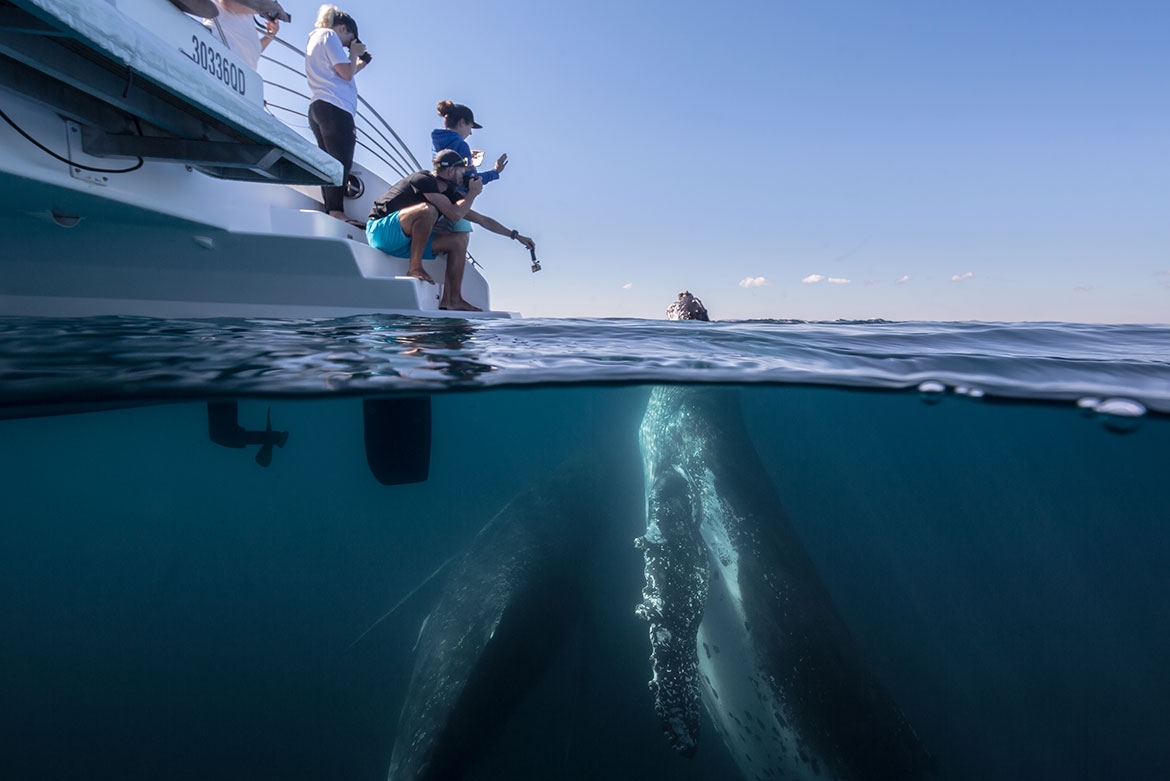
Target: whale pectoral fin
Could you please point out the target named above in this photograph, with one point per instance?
(677, 577)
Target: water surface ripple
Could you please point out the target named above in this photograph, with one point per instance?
(46, 361)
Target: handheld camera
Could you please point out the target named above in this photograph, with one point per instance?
(365, 56)
(535, 262)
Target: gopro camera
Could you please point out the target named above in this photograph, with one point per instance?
(535, 262)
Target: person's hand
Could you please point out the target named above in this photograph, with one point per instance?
(474, 186)
(501, 163)
(356, 49)
(527, 242)
(272, 26)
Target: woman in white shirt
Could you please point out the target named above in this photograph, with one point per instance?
(331, 72)
(235, 27)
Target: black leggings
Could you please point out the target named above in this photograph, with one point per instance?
(333, 129)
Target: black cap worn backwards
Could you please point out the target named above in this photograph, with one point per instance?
(448, 158)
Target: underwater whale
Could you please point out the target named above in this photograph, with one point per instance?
(738, 617)
(507, 606)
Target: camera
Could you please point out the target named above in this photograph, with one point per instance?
(467, 177)
(535, 262)
(364, 57)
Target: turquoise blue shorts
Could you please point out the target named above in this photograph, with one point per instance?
(386, 234)
(446, 226)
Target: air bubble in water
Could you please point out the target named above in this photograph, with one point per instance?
(975, 393)
(931, 391)
(1088, 405)
(1121, 415)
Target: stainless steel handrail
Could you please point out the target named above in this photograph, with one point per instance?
(380, 139)
(393, 153)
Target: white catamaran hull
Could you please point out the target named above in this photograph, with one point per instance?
(222, 218)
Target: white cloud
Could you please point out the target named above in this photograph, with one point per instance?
(838, 281)
(961, 277)
(628, 286)
(754, 282)
(812, 279)
(903, 279)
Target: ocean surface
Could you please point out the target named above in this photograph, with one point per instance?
(987, 504)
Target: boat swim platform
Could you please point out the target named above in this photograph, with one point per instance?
(103, 257)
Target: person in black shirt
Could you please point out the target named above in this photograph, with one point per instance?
(402, 223)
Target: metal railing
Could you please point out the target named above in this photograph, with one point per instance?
(374, 134)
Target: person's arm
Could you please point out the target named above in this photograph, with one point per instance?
(492, 174)
(460, 209)
(489, 176)
(347, 70)
(270, 29)
(487, 222)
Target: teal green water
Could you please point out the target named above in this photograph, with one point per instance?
(172, 609)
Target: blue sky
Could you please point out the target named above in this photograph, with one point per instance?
(814, 160)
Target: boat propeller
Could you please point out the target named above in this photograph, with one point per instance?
(224, 428)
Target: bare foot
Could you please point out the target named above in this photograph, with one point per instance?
(460, 306)
(421, 274)
(342, 216)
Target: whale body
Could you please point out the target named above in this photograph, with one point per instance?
(740, 621)
(507, 606)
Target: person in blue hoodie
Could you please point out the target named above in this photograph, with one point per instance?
(458, 122)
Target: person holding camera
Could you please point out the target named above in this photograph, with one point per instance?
(458, 122)
(331, 71)
(402, 223)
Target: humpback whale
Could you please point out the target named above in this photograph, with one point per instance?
(507, 606)
(738, 617)
(739, 622)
